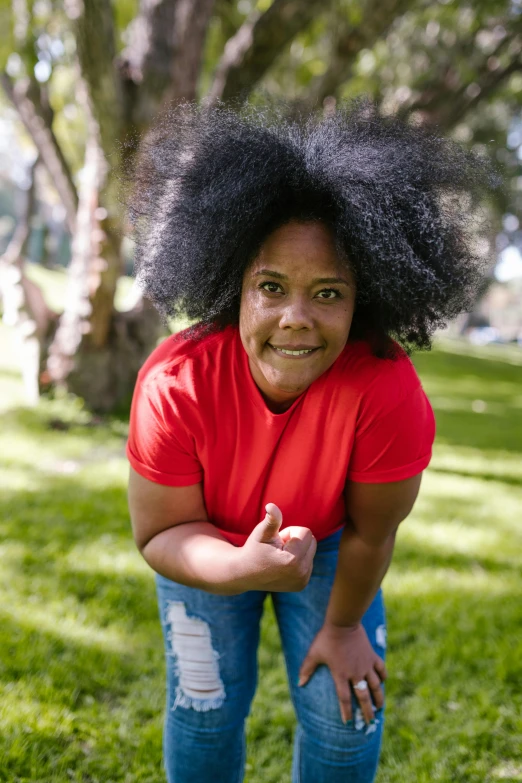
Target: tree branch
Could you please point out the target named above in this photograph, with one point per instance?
(25, 95)
(191, 25)
(94, 32)
(446, 101)
(16, 249)
(146, 62)
(257, 43)
(377, 17)
(24, 306)
(164, 55)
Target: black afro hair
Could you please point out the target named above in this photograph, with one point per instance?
(402, 203)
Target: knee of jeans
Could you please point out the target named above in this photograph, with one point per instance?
(200, 686)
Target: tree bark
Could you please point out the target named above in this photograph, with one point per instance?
(94, 33)
(163, 61)
(254, 47)
(146, 62)
(97, 352)
(25, 95)
(191, 25)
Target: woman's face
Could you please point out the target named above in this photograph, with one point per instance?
(295, 297)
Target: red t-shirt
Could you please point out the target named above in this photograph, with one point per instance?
(197, 415)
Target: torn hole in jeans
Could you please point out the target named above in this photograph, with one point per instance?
(200, 686)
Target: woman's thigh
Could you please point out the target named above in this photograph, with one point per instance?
(323, 742)
(211, 654)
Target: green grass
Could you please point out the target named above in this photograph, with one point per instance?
(54, 283)
(81, 654)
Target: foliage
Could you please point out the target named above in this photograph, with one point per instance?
(441, 46)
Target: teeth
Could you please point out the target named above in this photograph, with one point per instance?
(295, 353)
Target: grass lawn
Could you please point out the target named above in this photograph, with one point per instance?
(81, 654)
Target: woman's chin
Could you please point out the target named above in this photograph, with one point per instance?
(289, 386)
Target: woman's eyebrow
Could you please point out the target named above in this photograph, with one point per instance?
(271, 273)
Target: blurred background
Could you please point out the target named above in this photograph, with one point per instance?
(81, 660)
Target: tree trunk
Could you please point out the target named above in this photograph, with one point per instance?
(97, 351)
(23, 303)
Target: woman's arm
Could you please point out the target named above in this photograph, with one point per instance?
(171, 529)
(374, 512)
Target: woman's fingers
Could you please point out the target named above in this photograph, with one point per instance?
(380, 668)
(299, 540)
(344, 695)
(374, 684)
(362, 694)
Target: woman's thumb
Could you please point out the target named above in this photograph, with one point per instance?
(271, 523)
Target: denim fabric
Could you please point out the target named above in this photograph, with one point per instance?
(204, 738)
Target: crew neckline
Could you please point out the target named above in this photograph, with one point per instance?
(255, 392)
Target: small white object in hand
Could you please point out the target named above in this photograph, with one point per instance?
(362, 685)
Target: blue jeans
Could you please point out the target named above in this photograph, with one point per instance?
(211, 645)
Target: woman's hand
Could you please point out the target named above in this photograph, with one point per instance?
(351, 659)
(273, 559)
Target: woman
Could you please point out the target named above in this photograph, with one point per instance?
(312, 256)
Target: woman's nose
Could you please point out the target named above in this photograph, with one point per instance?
(296, 314)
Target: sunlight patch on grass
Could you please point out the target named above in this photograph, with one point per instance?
(423, 581)
(54, 284)
(18, 709)
(498, 352)
(18, 480)
(40, 454)
(475, 405)
(507, 771)
(470, 388)
(100, 557)
(451, 537)
(463, 459)
(482, 496)
(53, 619)
(11, 391)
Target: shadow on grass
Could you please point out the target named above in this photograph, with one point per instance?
(67, 512)
(59, 670)
(427, 556)
(66, 414)
(486, 432)
(440, 365)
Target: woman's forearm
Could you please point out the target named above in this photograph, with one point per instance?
(195, 554)
(360, 570)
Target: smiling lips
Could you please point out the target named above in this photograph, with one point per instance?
(294, 350)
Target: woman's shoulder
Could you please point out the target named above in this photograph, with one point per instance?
(373, 376)
(191, 352)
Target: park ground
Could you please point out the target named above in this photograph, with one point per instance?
(81, 654)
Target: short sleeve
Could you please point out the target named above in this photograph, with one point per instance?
(159, 447)
(397, 444)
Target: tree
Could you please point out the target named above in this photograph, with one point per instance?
(435, 62)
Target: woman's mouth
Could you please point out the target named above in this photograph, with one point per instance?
(293, 353)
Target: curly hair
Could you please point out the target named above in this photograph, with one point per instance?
(210, 184)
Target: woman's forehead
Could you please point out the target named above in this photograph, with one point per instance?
(304, 250)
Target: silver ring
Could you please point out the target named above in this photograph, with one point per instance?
(362, 685)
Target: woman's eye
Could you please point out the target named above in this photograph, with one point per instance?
(272, 288)
(330, 293)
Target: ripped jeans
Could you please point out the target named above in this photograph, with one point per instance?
(211, 646)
